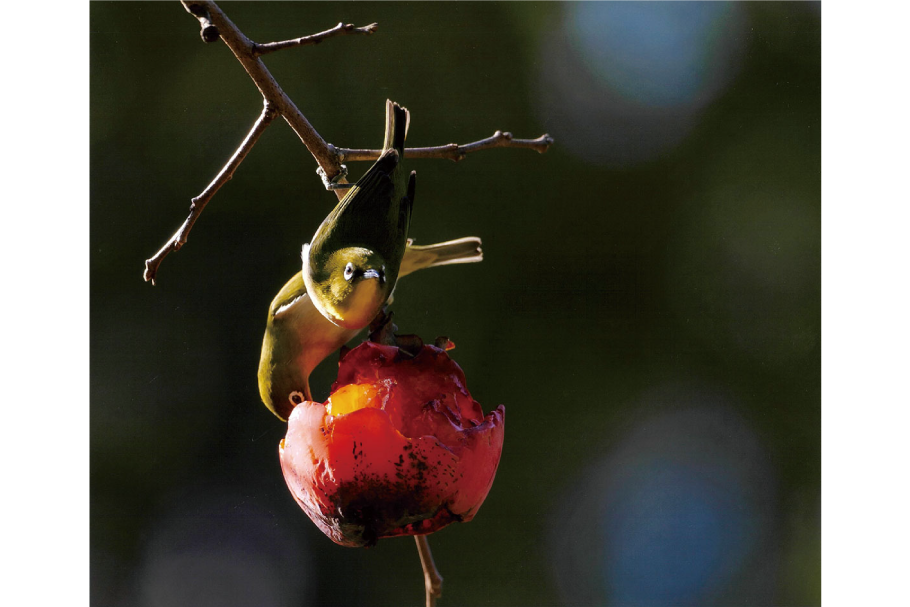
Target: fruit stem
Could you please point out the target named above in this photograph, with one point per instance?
(432, 581)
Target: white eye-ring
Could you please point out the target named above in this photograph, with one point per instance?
(296, 397)
(349, 272)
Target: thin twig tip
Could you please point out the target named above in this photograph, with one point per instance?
(149, 274)
(547, 142)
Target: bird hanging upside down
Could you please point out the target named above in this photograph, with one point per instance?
(297, 337)
(350, 268)
(351, 265)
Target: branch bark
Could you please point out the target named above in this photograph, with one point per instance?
(454, 151)
(342, 29)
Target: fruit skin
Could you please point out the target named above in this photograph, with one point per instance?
(418, 457)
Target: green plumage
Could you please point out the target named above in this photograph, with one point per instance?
(368, 229)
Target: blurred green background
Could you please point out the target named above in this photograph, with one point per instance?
(648, 309)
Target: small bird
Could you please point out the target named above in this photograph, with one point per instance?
(297, 337)
(352, 263)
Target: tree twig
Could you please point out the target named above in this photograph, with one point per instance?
(198, 203)
(454, 151)
(214, 25)
(342, 29)
(432, 581)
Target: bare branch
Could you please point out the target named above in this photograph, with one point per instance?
(215, 24)
(432, 581)
(242, 47)
(342, 29)
(198, 203)
(453, 151)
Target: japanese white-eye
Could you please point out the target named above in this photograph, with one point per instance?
(297, 337)
(351, 265)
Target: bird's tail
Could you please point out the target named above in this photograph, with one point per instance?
(397, 120)
(461, 250)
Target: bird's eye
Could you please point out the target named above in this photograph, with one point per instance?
(296, 397)
(349, 271)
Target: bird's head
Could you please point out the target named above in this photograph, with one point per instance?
(351, 288)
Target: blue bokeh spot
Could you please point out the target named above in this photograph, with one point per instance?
(675, 534)
(657, 54)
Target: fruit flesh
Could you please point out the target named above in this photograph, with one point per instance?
(352, 397)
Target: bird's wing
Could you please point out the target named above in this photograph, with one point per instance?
(366, 212)
(407, 204)
(289, 294)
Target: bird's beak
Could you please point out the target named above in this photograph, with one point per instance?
(371, 273)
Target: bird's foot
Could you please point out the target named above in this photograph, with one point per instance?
(332, 184)
(382, 331)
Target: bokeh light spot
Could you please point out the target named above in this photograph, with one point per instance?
(624, 83)
(215, 548)
(660, 53)
(674, 533)
(673, 514)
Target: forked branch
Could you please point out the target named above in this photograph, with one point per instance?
(215, 24)
(242, 47)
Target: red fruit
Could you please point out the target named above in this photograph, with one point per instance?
(400, 447)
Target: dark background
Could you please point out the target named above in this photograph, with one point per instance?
(648, 309)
